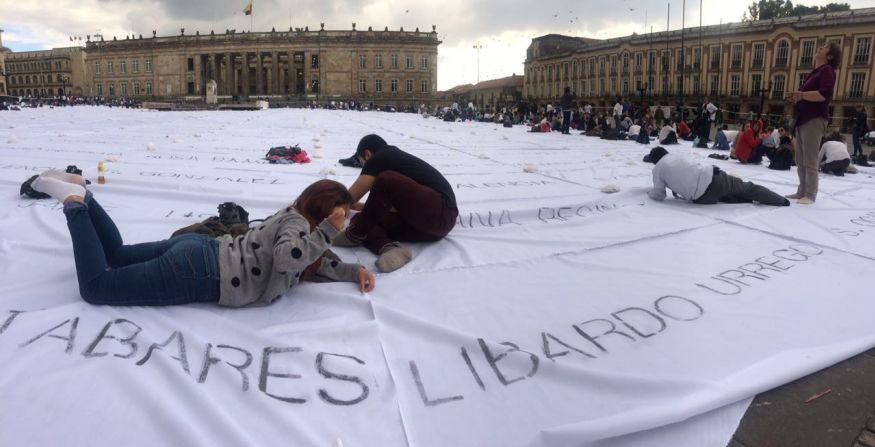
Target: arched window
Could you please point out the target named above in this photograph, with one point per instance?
(782, 53)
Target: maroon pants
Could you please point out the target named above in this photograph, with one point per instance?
(420, 214)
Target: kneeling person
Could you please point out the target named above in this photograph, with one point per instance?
(703, 184)
(409, 201)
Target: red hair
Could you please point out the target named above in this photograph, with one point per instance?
(318, 200)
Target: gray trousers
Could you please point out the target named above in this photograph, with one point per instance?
(808, 138)
(728, 189)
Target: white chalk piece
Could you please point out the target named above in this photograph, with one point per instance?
(531, 169)
(327, 171)
(151, 147)
(610, 189)
(338, 443)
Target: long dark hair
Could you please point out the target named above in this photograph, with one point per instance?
(315, 203)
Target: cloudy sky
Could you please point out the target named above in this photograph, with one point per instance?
(502, 28)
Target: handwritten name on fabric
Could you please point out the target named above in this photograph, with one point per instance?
(124, 339)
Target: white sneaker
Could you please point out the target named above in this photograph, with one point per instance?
(64, 177)
(805, 201)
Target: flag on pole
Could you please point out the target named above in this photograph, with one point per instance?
(248, 9)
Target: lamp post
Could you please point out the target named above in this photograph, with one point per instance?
(763, 92)
(478, 47)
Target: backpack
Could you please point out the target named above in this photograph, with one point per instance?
(232, 220)
(287, 154)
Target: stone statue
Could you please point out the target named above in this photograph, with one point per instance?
(211, 92)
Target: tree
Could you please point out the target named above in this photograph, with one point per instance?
(776, 9)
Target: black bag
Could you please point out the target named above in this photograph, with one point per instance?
(28, 191)
(232, 220)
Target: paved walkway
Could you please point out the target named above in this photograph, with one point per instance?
(843, 414)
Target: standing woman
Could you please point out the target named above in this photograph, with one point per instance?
(812, 115)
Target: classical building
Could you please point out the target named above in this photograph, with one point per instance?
(384, 67)
(3, 51)
(46, 73)
(739, 65)
(488, 95)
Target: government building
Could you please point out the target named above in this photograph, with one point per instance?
(383, 67)
(739, 65)
(397, 67)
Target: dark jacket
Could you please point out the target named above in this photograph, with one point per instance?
(567, 101)
(860, 124)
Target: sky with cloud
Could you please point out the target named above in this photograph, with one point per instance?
(503, 29)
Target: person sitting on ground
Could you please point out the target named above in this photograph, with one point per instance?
(781, 158)
(749, 149)
(668, 134)
(626, 123)
(720, 140)
(409, 200)
(634, 130)
(834, 157)
(684, 131)
(255, 268)
(704, 185)
(735, 138)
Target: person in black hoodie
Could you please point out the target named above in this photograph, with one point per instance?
(567, 105)
(408, 200)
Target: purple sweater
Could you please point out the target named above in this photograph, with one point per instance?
(823, 80)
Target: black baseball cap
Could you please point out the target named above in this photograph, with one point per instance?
(655, 155)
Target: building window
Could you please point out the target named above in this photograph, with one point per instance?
(99, 89)
(363, 86)
(362, 60)
(136, 88)
(97, 68)
(124, 88)
(423, 62)
(591, 87)
(112, 89)
(696, 85)
(149, 88)
(858, 85)
(713, 90)
(613, 64)
(734, 85)
(802, 77)
(778, 87)
(190, 87)
(378, 86)
(314, 85)
(378, 61)
(410, 61)
(759, 55)
(109, 67)
(394, 86)
(190, 64)
(665, 85)
(602, 66)
(123, 67)
(679, 58)
(592, 67)
(782, 53)
(314, 61)
(625, 65)
(861, 54)
(57, 65)
(602, 86)
(423, 86)
(679, 84)
(148, 68)
(806, 56)
(639, 61)
(664, 62)
(394, 61)
(625, 86)
(135, 66)
(409, 86)
(756, 82)
(735, 62)
(715, 57)
(613, 86)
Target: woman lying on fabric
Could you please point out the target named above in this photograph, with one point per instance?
(252, 269)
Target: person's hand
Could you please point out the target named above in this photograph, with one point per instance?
(367, 280)
(796, 97)
(358, 206)
(337, 217)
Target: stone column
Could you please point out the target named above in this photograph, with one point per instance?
(275, 79)
(228, 80)
(258, 73)
(245, 74)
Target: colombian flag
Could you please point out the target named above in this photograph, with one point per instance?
(248, 9)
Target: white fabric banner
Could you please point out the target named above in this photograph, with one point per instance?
(553, 314)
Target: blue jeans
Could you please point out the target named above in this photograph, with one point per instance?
(181, 270)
